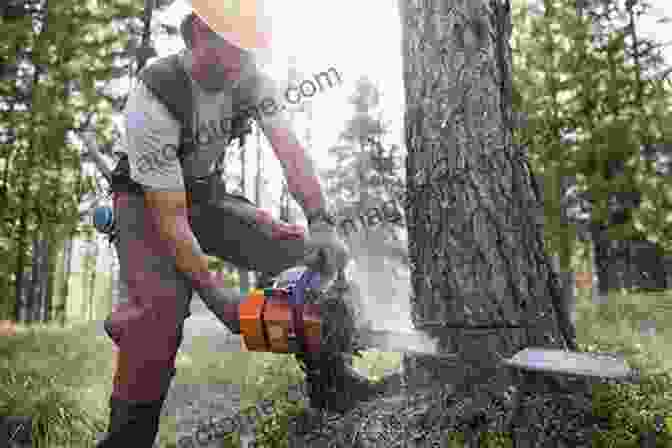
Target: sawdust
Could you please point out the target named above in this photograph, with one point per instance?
(425, 418)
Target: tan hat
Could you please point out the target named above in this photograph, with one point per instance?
(244, 23)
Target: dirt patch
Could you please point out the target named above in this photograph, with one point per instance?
(194, 405)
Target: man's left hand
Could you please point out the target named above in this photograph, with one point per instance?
(327, 253)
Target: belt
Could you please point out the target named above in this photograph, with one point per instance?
(204, 189)
(199, 190)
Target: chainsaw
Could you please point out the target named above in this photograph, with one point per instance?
(278, 320)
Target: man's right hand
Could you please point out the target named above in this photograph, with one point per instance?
(169, 212)
(326, 252)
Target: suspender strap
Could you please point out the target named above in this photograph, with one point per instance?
(170, 84)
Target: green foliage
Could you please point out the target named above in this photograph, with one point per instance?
(58, 419)
(367, 172)
(58, 55)
(629, 409)
(486, 440)
(590, 109)
(53, 375)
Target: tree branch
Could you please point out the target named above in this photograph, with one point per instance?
(97, 158)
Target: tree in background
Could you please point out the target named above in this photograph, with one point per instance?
(594, 110)
(55, 59)
(366, 185)
(368, 173)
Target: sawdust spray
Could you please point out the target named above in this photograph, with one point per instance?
(382, 284)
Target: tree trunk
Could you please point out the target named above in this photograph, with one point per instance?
(568, 286)
(482, 282)
(19, 306)
(41, 280)
(32, 292)
(602, 263)
(65, 284)
(50, 280)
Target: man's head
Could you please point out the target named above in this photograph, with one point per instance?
(214, 59)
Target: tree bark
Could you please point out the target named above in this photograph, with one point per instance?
(50, 273)
(32, 292)
(19, 305)
(481, 280)
(40, 279)
(43, 277)
(65, 284)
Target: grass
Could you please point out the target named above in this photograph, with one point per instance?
(57, 376)
(62, 376)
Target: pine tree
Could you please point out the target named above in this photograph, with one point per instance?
(55, 59)
(591, 113)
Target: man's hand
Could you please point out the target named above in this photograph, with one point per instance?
(168, 211)
(328, 254)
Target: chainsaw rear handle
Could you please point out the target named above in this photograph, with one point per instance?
(277, 320)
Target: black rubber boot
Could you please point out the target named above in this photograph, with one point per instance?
(132, 424)
(334, 385)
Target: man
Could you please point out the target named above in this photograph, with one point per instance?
(167, 223)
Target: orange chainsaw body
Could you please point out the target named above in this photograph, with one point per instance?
(270, 323)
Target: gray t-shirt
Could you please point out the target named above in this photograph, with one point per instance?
(153, 134)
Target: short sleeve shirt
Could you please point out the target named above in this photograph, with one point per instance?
(153, 134)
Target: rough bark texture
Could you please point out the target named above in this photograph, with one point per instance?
(61, 310)
(476, 247)
(482, 281)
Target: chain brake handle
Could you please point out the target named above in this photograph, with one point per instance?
(308, 279)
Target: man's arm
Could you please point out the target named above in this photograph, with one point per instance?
(299, 167)
(331, 254)
(150, 129)
(169, 212)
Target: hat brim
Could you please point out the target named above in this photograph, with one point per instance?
(243, 23)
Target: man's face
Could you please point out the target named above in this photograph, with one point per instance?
(216, 61)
